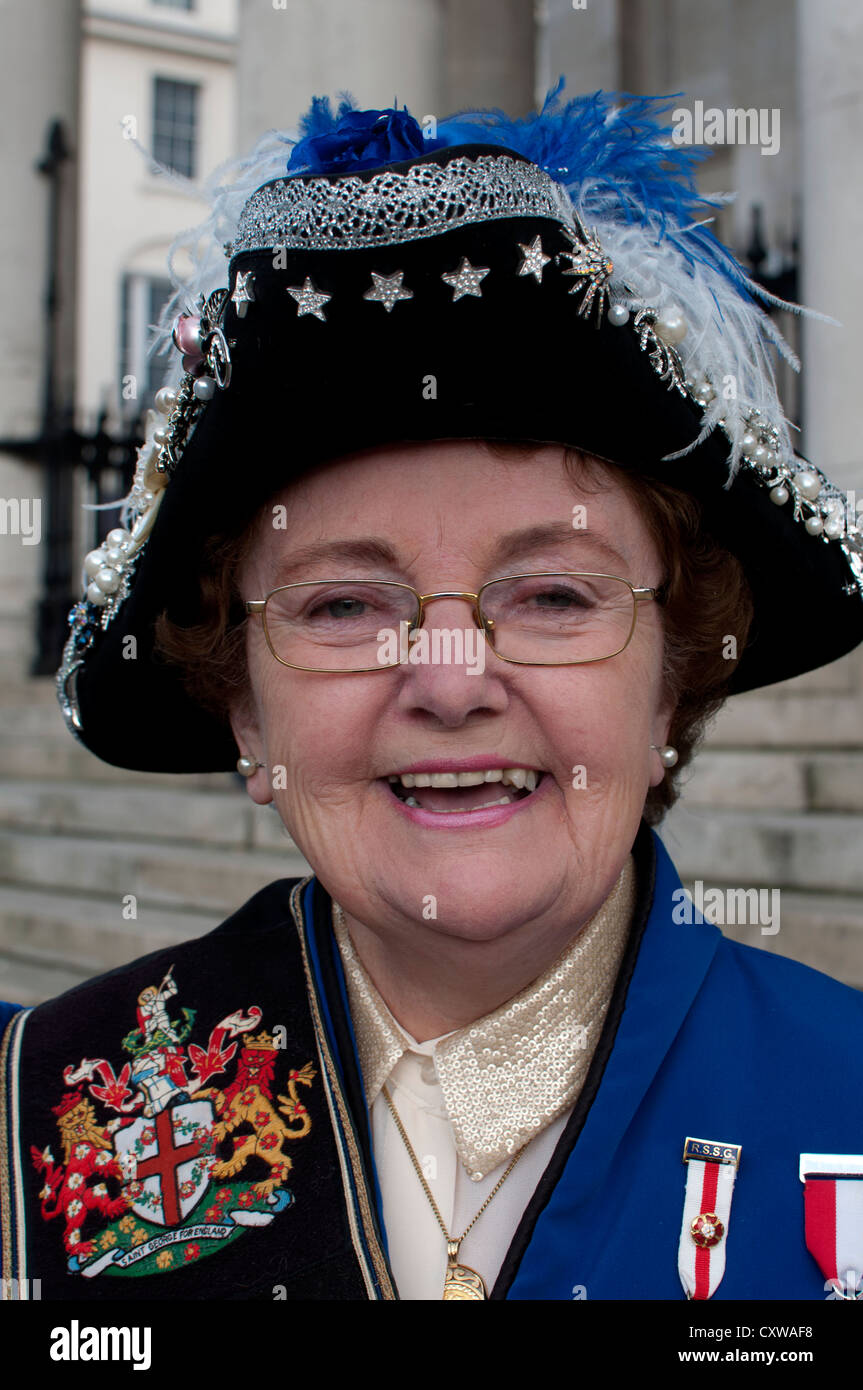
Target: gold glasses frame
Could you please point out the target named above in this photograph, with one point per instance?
(640, 594)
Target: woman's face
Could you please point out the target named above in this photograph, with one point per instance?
(454, 516)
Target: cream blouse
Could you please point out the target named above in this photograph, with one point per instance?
(471, 1099)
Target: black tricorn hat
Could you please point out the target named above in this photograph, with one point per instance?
(538, 281)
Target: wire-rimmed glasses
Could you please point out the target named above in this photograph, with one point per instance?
(547, 618)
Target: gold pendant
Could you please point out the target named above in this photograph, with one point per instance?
(460, 1281)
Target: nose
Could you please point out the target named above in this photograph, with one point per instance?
(448, 692)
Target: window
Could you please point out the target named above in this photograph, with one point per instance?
(144, 297)
(175, 124)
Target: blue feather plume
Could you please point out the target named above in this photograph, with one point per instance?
(611, 151)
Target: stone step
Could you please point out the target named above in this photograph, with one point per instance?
(219, 814)
(155, 873)
(36, 716)
(145, 812)
(32, 981)
(40, 690)
(795, 721)
(807, 851)
(836, 781)
(87, 933)
(780, 780)
(60, 756)
(840, 677)
(34, 742)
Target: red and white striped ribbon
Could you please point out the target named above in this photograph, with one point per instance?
(833, 1205)
(711, 1169)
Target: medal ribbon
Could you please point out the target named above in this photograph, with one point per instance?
(833, 1207)
(711, 1169)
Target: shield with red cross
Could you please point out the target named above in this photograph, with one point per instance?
(166, 1161)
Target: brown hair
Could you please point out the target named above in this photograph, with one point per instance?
(706, 601)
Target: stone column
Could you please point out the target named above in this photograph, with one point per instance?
(830, 75)
(381, 51)
(489, 55)
(580, 38)
(38, 84)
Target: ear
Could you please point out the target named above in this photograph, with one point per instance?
(247, 732)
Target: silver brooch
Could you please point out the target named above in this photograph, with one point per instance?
(591, 267)
(663, 356)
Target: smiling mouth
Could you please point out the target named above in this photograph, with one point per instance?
(451, 792)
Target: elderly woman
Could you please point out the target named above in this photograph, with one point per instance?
(472, 502)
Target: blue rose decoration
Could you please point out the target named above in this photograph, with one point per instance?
(359, 140)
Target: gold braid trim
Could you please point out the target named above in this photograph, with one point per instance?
(7, 1265)
(334, 1094)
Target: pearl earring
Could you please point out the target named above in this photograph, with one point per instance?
(247, 765)
(667, 755)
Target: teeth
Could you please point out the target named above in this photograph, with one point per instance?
(518, 777)
(456, 810)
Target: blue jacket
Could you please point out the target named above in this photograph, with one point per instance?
(704, 1038)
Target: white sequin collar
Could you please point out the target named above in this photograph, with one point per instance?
(507, 1076)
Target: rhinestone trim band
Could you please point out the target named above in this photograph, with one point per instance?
(389, 208)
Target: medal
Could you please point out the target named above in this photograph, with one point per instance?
(711, 1171)
(460, 1281)
(833, 1204)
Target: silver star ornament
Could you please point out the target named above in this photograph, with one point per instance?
(309, 300)
(534, 259)
(244, 292)
(388, 289)
(466, 280)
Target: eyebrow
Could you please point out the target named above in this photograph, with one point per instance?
(516, 544)
(374, 552)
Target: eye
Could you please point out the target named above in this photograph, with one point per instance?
(338, 608)
(561, 597)
(542, 595)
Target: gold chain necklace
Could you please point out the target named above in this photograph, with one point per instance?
(460, 1281)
